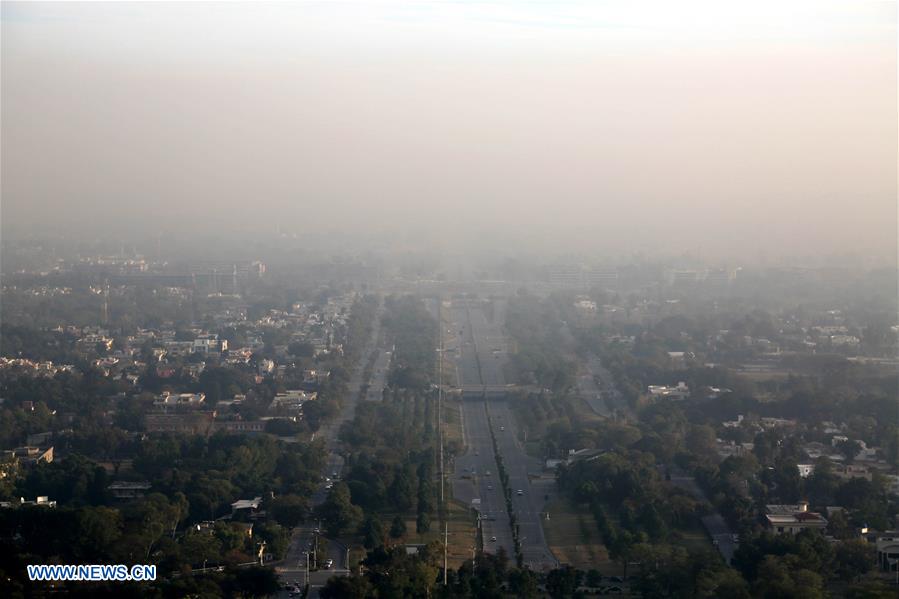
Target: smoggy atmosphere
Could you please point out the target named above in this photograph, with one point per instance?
(724, 129)
(449, 300)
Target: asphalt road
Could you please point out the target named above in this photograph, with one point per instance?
(714, 523)
(589, 391)
(480, 359)
(292, 569)
(379, 376)
(595, 385)
(523, 471)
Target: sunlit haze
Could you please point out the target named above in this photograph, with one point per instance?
(728, 129)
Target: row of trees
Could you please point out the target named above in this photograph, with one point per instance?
(391, 444)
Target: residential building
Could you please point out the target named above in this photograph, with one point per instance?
(792, 519)
(193, 423)
(183, 400)
(679, 392)
(31, 456)
(209, 343)
(888, 551)
(291, 400)
(248, 506)
(129, 489)
(240, 426)
(805, 470)
(40, 501)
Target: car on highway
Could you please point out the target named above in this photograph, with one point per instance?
(502, 428)
(493, 539)
(328, 564)
(489, 487)
(519, 492)
(487, 473)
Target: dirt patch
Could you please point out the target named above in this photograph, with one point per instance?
(573, 537)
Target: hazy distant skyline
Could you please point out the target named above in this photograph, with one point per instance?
(733, 127)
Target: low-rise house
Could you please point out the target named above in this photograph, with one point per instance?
(805, 470)
(240, 426)
(92, 343)
(583, 455)
(39, 501)
(129, 489)
(844, 341)
(888, 551)
(315, 376)
(291, 400)
(850, 471)
(225, 404)
(31, 456)
(165, 371)
(192, 423)
(188, 400)
(865, 453)
(195, 370)
(792, 519)
(733, 423)
(246, 506)
(679, 358)
(726, 449)
(892, 484)
(769, 423)
(38, 439)
(209, 343)
(585, 307)
(679, 392)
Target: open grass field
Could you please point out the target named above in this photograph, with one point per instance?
(574, 539)
(452, 422)
(461, 538)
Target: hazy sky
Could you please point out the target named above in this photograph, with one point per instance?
(734, 127)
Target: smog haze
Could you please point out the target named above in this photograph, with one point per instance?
(731, 129)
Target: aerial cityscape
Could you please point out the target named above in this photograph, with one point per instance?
(460, 300)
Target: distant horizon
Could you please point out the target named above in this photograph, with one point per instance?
(726, 130)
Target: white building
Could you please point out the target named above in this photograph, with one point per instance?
(209, 343)
(179, 399)
(291, 400)
(680, 392)
(792, 519)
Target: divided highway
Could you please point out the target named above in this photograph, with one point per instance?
(480, 356)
